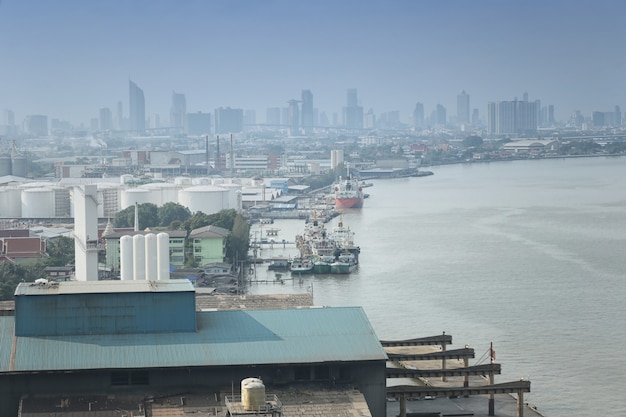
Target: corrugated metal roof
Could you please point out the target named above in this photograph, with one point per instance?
(223, 338)
(102, 287)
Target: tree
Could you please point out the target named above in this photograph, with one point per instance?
(60, 251)
(13, 274)
(171, 212)
(473, 142)
(238, 242)
(148, 216)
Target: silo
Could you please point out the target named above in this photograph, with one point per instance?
(182, 181)
(126, 179)
(18, 166)
(139, 255)
(218, 181)
(151, 257)
(252, 394)
(201, 181)
(10, 202)
(38, 203)
(126, 258)
(205, 198)
(161, 193)
(134, 195)
(5, 165)
(163, 260)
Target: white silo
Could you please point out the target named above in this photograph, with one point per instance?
(133, 196)
(201, 181)
(126, 179)
(10, 202)
(205, 198)
(139, 255)
(38, 203)
(126, 258)
(151, 257)
(163, 258)
(234, 196)
(182, 181)
(218, 181)
(161, 193)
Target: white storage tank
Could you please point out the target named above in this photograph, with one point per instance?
(182, 181)
(38, 203)
(201, 181)
(10, 202)
(126, 179)
(161, 193)
(205, 198)
(252, 394)
(134, 195)
(218, 181)
(234, 196)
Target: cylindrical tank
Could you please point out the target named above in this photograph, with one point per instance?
(234, 196)
(18, 166)
(218, 181)
(201, 181)
(139, 252)
(134, 195)
(38, 203)
(182, 181)
(10, 202)
(205, 198)
(163, 250)
(252, 394)
(5, 165)
(151, 257)
(161, 193)
(126, 258)
(126, 179)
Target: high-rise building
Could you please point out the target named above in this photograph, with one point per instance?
(463, 108)
(36, 125)
(121, 125)
(178, 112)
(512, 117)
(418, 115)
(475, 117)
(199, 123)
(353, 113)
(272, 116)
(441, 115)
(249, 117)
(308, 113)
(137, 108)
(228, 120)
(294, 118)
(106, 119)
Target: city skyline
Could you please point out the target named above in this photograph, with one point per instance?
(69, 59)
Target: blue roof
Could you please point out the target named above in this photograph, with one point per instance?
(229, 337)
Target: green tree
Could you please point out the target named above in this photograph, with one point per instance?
(473, 142)
(171, 212)
(60, 251)
(148, 216)
(13, 274)
(238, 241)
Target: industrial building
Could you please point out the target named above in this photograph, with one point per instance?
(144, 335)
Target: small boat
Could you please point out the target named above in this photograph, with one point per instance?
(301, 266)
(322, 264)
(345, 264)
(279, 264)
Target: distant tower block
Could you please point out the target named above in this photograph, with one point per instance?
(126, 258)
(151, 257)
(86, 232)
(163, 258)
(139, 252)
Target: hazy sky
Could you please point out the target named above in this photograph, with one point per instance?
(68, 58)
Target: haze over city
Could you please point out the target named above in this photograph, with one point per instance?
(68, 59)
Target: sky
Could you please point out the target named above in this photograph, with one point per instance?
(68, 58)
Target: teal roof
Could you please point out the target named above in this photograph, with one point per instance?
(233, 337)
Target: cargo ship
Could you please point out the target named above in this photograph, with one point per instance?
(348, 193)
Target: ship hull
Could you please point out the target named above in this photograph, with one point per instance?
(348, 202)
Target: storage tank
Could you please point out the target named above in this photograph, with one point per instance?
(151, 257)
(234, 196)
(252, 394)
(126, 258)
(201, 181)
(161, 193)
(18, 166)
(182, 181)
(126, 179)
(163, 250)
(218, 181)
(134, 195)
(10, 202)
(5, 165)
(205, 198)
(38, 203)
(139, 257)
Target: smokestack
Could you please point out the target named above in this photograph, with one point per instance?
(232, 157)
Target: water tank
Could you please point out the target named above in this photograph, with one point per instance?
(161, 193)
(234, 196)
(38, 203)
(126, 179)
(5, 165)
(201, 181)
(205, 198)
(134, 195)
(18, 166)
(252, 394)
(10, 202)
(218, 181)
(182, 181)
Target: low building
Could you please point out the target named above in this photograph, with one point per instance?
(22, 249)
(209, 244)
(531, 146)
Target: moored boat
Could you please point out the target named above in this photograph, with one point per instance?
(348, 193)
(301, 266)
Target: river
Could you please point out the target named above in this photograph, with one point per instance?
(529, 255)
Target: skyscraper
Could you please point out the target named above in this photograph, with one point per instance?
(308, 113)
(294, 118)
(517, 117)
(137, 108)
(441, 115)
(418, 115)
(228, 120)
(353, 113)
(106, 119)
(178, 112)
(199, 123)
(463, 108)
(272, 117)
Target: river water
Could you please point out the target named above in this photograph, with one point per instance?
(529, 255)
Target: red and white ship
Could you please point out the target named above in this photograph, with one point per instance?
(348, 193)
